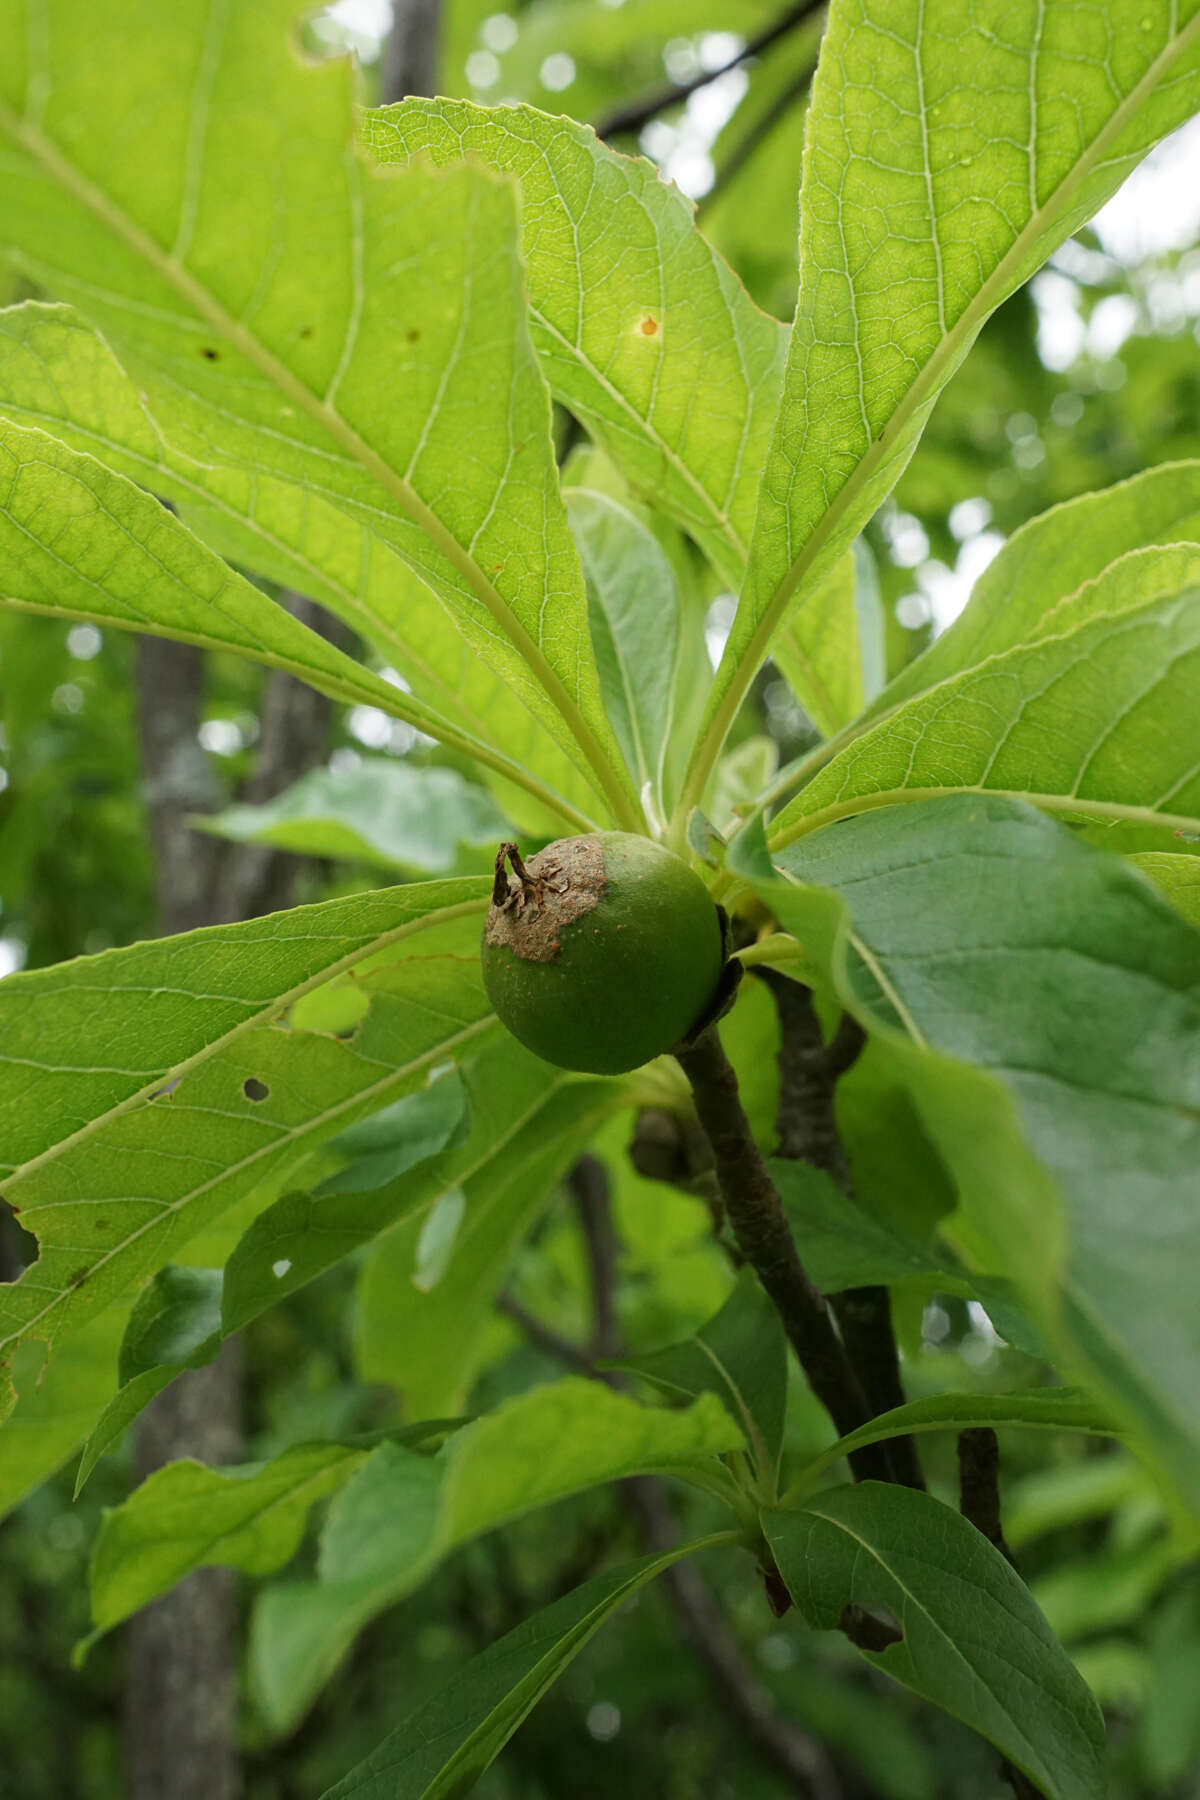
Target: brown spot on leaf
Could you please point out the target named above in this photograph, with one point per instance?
(209, 354)
(649, 326)
(412, 335)
(254, 1089)
(306, 331)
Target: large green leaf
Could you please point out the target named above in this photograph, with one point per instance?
(1083, 719)
(288, 308)
(142, 1090)
(1052, 557)
(949, 150)
(403, 1513)
(1047, 1000)
(75, 538)
(441, 1748)
(58, 375)
(420, 1324)
(967, 1634)
(643, 331)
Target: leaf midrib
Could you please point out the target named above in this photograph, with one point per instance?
(924, 387)
(93, 198)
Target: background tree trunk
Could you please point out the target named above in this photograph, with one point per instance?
(182, 1652)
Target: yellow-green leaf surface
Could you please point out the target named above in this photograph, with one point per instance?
(819, 656)
(285, 307)
(950, 148)
(1051, 557)
(1177, 875)
(143, 1090)
(402, 1513)
(187, 1516)
(1084, 719)
(57, 374)
(643, 331)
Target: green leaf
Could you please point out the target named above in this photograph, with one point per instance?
(643, 332)
(1082, 720)
(818, 651)
(1049, 559)
(972, 1639)
(175, 1324)
(1045, 1409)
(1177, 876)
(58, 1403)
(179, 1028)
(76, 538)
(740, 1355)
(843, 1245)
(402, 1514)
(1047, 1002)
(186, 1517)
(397, 814)
(529, 1123)
(445, 1745)
(56, 373)
(944, 162)
(360, 334)
(633, 606)
(394, 1140)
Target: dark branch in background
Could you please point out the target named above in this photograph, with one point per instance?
(809, 1071)
(979, 1484)
(631, 118)
(748, 1702)
(751, 140)
(756, 1214)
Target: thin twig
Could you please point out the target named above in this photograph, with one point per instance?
(588, 1182)
(752, 139)
(631, 118)
(756, 1214)
(808, 1132)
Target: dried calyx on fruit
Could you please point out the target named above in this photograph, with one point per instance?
(601, 952)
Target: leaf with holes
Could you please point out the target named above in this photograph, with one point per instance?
(188, 1030)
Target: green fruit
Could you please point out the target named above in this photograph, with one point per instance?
(602, 952)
